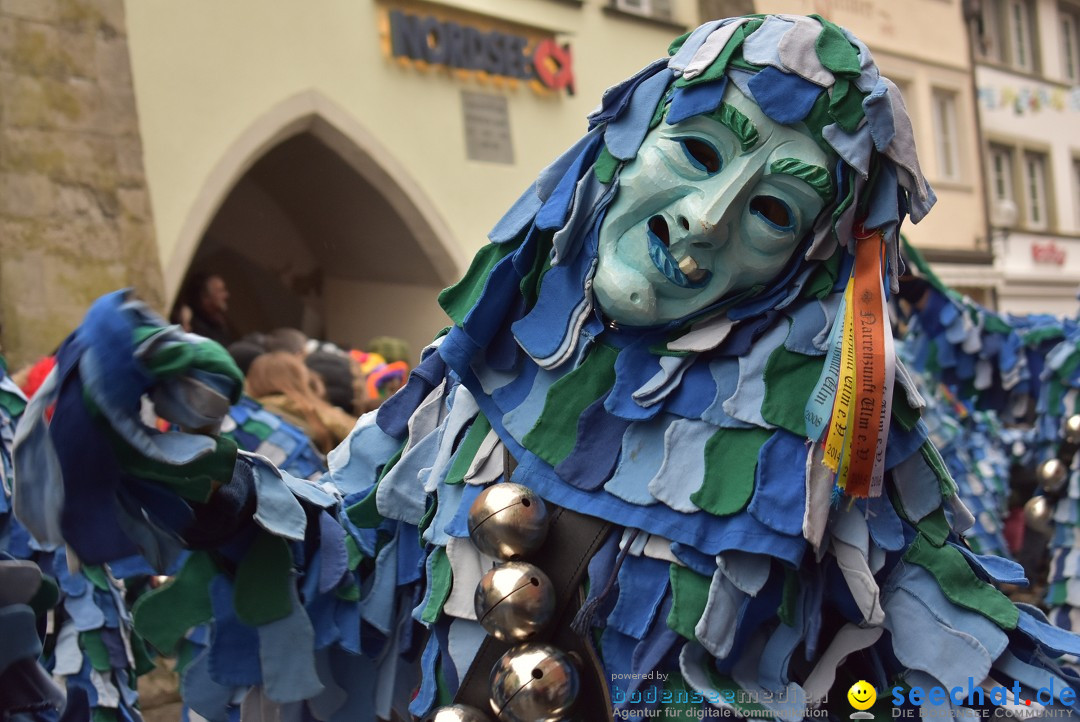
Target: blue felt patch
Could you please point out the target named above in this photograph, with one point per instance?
(779, 499)
(784, 97)
(234, 646)
(596, 450)
(696, 100)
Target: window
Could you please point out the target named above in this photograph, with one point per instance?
(946, 134)
(1007, 33)
(1020, 34)
(1069, 23)
(990, 46)
(659, 9)
(1035, 201)
(1001, 175)
(1076, 193)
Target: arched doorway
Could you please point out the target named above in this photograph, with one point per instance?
(319, 232)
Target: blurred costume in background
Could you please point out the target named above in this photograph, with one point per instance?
(680, 335)
(93, 652)
(282, 383)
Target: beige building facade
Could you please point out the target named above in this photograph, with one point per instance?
(1028, 73)
(338, 162)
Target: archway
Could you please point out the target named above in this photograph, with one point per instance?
(313, 225)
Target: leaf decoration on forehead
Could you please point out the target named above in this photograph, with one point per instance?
(743, 128)
(814, 176)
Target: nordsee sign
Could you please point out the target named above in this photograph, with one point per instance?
(460, 46)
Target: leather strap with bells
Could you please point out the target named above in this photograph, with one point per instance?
(572, 540)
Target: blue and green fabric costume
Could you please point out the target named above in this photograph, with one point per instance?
(751, 579)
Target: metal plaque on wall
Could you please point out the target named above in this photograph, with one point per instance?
(487, 128)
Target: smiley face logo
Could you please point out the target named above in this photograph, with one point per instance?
(862, 695)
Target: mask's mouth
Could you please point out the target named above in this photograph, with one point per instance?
(683, 273)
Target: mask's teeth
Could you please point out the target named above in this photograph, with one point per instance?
(690, 269)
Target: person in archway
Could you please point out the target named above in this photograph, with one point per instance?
(208, 298)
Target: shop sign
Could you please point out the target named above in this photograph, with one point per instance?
(460, 45)
(1048, 252)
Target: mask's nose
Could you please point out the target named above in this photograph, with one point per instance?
(706, 219)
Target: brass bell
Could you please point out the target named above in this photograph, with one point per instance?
(1072, 429)
(508, 521)
(1038, 513)
(533, 683)
(514, 602)
(1052, 474)
(457, 713)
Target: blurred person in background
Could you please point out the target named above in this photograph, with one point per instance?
(283, 385)
(208, 298)
(289, 340)
(337, 372)
(247, 349)
(391, 348)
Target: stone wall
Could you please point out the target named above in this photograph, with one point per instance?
(75, 218)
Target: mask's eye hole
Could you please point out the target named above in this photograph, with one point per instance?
(773, 211)
(701, 154)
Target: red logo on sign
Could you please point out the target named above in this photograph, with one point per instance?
(554, 65)
(1048, 252)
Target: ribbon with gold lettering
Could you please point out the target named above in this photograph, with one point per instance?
(856, 383)
(871, 326)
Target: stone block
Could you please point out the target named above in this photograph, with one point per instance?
(74, 104)
(26, 195)
(129, 160)
(38, 51)
(81, 238)
(45, 11)
(80, 49)
(31, 150)
(23, 101)
(113, 61)
(119, 116)
(8, 33)
(109, 12)
(72, 200)
(134, 202)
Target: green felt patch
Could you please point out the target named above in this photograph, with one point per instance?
(441, 582)
(173, 359)
(716, 70)
(466, 452)
(95, 650)
(902, 413)
(554, 434)
(352, 548)
(144, 664)
(789, 601)
(960, 584)
(790, 378)
(104, 714)
(836, 52)
(97, 576)
(364, 513)
(730, 462)
(46, 596)
(256, 428)
(605, 166)
(935, 527)
(689, 592)
(458, 299)
(163, 615)
(263, 579)
(194, 481)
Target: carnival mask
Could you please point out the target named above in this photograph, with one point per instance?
(711, 206)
